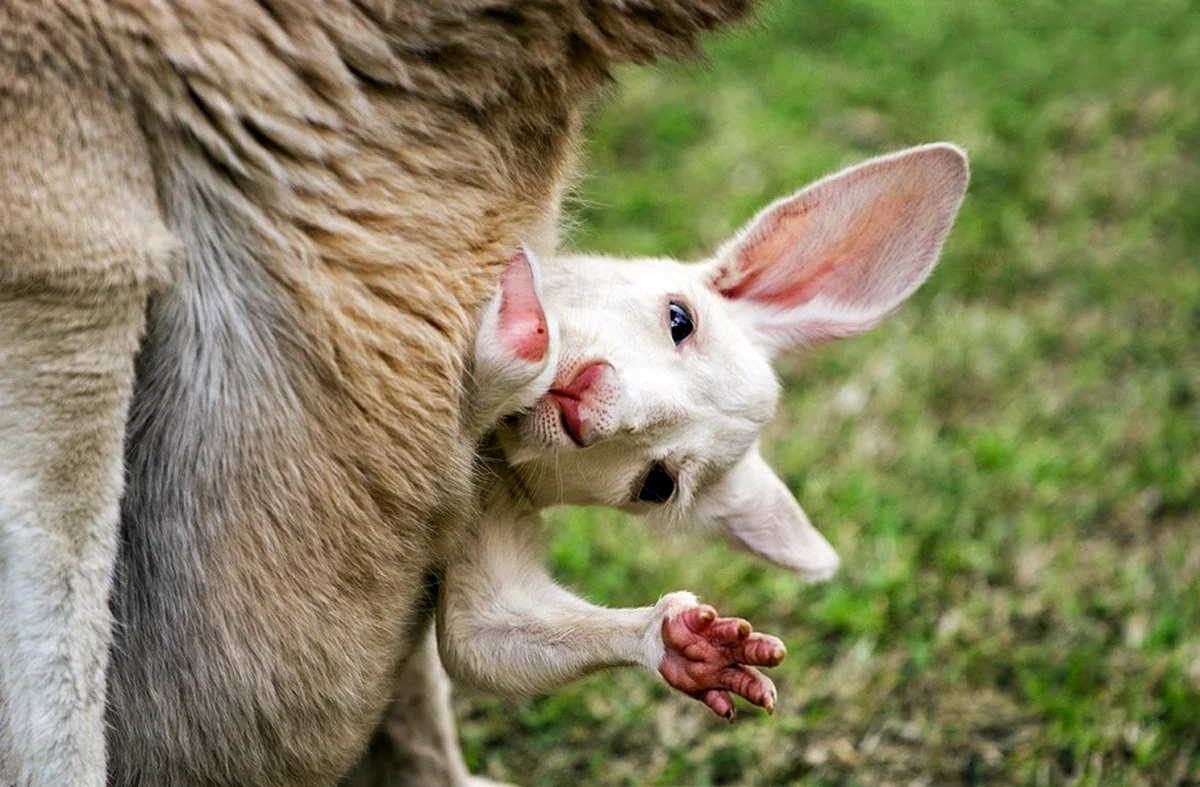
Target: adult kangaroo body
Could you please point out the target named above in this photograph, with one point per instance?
(241, 247)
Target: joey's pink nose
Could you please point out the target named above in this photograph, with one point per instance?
(579, 399)
(583, 381)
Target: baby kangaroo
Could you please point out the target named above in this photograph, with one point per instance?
(644, 385)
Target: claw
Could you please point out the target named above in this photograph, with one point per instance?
(730, 631)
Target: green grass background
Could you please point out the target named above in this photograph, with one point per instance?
(1010, 468)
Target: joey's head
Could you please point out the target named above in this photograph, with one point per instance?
(663, 380)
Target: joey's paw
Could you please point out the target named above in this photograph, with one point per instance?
(709, 658)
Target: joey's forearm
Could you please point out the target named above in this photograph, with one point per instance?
(528, 639)
(505, 626)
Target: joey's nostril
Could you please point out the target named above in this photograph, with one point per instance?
(583, 381)
(581, 397)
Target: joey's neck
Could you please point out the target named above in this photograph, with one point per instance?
(498, 486)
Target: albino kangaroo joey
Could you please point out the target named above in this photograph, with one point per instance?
(644, 385)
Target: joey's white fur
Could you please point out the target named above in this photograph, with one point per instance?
(505, 624)
(830, 261)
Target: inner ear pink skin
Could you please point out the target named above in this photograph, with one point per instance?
(779, 267)
(838, 257)
(758, 275)
(522, 325)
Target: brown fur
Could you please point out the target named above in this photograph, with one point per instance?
(316, 198)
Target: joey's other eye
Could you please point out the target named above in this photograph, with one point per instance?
(657, 486)
(681, 322)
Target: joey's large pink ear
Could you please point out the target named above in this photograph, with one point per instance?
(836, 258)
(757, 513)
(521, 320)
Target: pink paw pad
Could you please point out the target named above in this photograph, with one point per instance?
(711, 658)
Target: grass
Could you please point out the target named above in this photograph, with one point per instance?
(1010, 468)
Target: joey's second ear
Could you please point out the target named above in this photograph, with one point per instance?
(836, 258)
(757, 513)
(521, 319)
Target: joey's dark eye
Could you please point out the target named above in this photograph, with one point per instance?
(681, 322)
(657, 486)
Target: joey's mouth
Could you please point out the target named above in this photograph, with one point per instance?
(568, 418)
(576, 393)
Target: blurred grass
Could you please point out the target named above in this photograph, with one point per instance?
(1010, 468)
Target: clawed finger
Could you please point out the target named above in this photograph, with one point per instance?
(720, 702)
(759, 650)
(698, 619)
(749, 683)
(728, 631)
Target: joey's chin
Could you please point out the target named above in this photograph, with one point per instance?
(535, 433)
